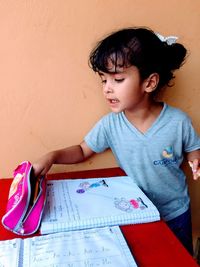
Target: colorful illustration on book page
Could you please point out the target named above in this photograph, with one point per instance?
(129, 205)
(85, 186)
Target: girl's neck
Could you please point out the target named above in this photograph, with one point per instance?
(144, 117)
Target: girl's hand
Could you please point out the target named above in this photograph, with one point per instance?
(195, 166)
(42, 166)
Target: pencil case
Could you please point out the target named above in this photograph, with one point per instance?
(26, 201)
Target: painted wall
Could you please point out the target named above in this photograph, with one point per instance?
(49, 96)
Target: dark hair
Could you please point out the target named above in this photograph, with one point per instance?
(139, 47)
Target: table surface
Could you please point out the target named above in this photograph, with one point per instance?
(152, 244)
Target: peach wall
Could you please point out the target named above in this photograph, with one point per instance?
(49, 96)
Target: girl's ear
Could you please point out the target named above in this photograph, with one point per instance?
(151, 82)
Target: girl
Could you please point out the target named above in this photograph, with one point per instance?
(148, 138)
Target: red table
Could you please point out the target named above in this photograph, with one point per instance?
(152, 244)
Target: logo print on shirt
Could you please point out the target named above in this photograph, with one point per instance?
(168, 157)
(168, 152)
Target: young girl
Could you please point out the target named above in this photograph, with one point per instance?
(148, 138)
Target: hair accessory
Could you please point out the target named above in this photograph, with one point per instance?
(26, 201)
(168, 39)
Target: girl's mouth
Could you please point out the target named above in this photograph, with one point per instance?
(113, 101)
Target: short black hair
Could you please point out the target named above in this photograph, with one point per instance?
(139, 47)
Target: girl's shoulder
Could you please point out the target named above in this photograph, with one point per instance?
(112, 120)
(176, 113)
(112, 116)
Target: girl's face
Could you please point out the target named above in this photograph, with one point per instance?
(123, 89)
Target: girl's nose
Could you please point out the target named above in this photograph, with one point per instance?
(107, 88)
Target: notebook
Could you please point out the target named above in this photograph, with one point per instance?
(94, 247)
(96, 202)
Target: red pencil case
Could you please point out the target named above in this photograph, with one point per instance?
(26, 201)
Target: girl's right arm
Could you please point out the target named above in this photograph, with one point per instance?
(68, 155)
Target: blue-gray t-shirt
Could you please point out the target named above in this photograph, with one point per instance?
(152, 158)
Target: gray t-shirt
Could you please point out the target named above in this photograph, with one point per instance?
(153, 158)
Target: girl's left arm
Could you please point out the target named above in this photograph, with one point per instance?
(193, 158)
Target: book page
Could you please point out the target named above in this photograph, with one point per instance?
(96, 202)
(10, 253)
(101, 247)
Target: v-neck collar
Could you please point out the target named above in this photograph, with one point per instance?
(152, 129)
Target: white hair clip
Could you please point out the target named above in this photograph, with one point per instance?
(168, 39)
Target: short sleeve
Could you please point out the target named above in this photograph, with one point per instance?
(96, 139)
(191, 140)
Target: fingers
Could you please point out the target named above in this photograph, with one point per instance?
(195, 165)
(38, 171)
(195, 168)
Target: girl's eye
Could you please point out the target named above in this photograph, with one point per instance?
(103, 81)
(119, 80)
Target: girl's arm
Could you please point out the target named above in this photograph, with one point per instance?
(68, 155)
(194, 162)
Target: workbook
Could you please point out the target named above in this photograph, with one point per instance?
(94, 247)
(95, 202)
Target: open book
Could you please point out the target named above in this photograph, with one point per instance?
(94, 247)
(96, 202)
